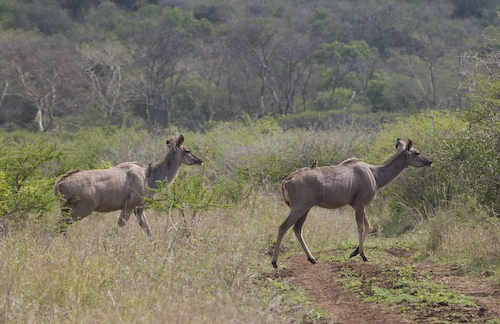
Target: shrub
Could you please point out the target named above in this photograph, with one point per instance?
(189, 194)
(472, 160)
(27, 173)
(417, 193)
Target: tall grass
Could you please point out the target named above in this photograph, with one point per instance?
(466, 236)
(213, 267)
(212, 271)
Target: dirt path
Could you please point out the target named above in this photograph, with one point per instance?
(321, 281)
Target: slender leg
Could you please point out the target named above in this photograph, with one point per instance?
(363, 228)
(355, 252)
(143, 221)
(292, 218)
(367, 227)
(124, 216)
(297, 228)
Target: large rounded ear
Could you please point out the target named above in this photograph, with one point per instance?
(400, 145)
(180, 140)
(410, 144)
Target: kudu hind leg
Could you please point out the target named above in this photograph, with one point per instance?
(124, 216)
(292, 218)
(297, 229)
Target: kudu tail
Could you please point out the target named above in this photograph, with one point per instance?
(284, 191)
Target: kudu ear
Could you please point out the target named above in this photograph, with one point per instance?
(400, 145)
(410, 144)
(180, 140)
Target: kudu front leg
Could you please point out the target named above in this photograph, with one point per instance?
(363, 229)
(281, 232)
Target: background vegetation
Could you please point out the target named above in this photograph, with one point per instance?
(260, 89)
(69, 64)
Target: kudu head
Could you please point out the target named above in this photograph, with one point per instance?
(182, 153)
(413, 156)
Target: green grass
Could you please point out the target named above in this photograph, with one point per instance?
(406, 290)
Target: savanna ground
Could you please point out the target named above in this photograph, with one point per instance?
(214, 267)
(357, 292)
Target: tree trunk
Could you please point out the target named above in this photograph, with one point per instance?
(210, 94)
(330, 103)
(433, 86)
(37, 122)
(4, 92)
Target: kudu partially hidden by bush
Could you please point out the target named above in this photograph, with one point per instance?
(122, 187)
(353, 182)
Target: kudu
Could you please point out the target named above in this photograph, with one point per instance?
(122, 187)
(353, 182)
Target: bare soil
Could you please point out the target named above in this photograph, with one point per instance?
(321, 282)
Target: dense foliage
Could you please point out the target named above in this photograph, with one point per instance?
(93, 62)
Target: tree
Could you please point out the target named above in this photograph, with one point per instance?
(162, 73)
(367, 63)
(432, 48)
(47, 72)
(106, 65)
(255, 43)
(291, 71)
(45, 15)
(433, 42)
(212, 52)
(473, 8)
(341, 59)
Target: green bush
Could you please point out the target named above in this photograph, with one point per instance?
(189, 194)
(472, 160)
(417, 193)
(28, 170)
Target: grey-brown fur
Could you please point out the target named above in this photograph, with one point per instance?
(353, 182)
(121, 187)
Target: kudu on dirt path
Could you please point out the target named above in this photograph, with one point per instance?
(353, 182)
(122, 187)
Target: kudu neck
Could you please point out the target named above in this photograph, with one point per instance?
(167, 169)
(388, 172)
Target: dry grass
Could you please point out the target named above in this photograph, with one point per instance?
(213, 271)
(470, 240)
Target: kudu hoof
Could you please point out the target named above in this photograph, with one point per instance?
(275, 266)
(365, 258)
(356, 252)
(312, 260)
